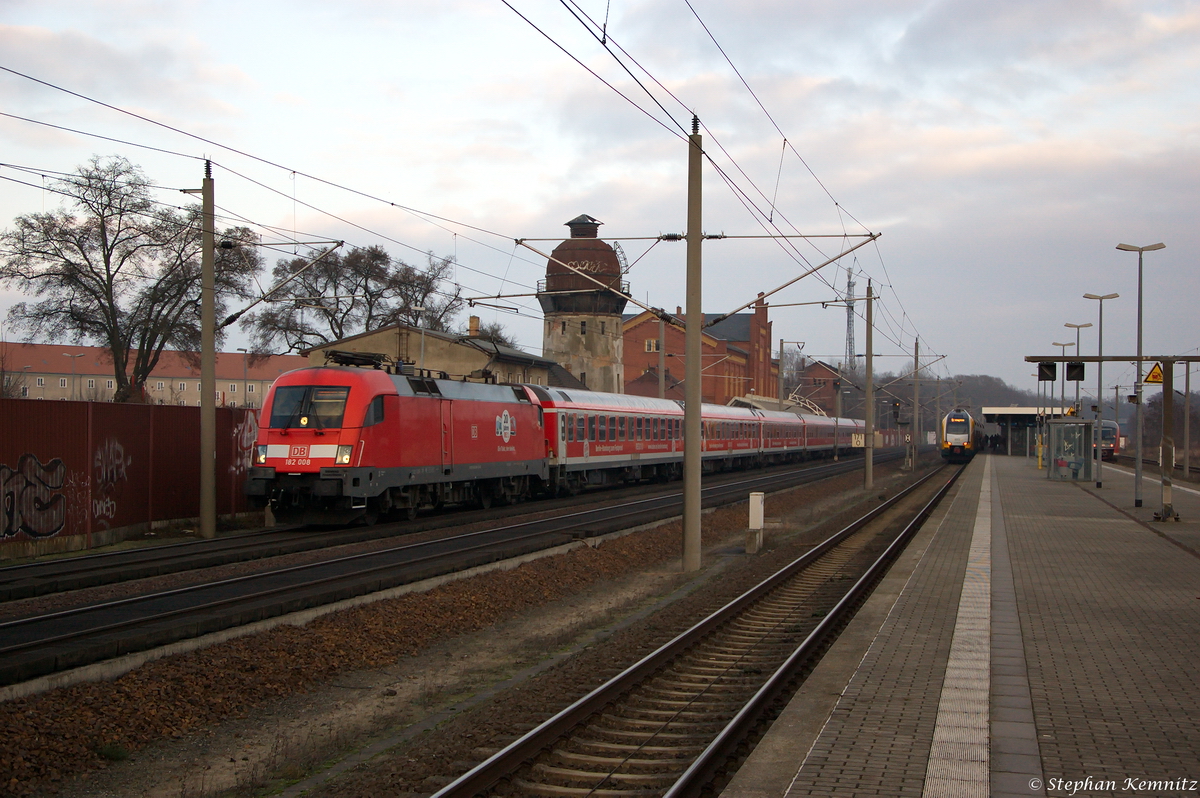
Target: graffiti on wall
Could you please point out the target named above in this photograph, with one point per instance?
(111, 466)
(32, 498)
(245, 433)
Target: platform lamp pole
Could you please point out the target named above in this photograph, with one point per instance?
(1100, 385)
(1137, 388)
(1062, 401)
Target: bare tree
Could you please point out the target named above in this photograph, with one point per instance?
(115, 269)
(343, 295)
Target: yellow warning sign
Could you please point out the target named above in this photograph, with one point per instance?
(1155, 375)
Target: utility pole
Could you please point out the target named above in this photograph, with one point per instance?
(916, 414)
(662, 359)
(937, 416)
(208, 357)
(869, 414)
(695, 323)
(1168, 439)
(780, 396)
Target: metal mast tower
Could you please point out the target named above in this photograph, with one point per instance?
(850, 361)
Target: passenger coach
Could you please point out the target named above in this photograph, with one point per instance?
(338, 443)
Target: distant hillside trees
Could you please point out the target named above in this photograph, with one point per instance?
(114, 268)
(347, 294)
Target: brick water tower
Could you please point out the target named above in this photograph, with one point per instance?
(583, 320)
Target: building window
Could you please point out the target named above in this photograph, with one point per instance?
(233, 404)
(583, 328)
(183, 402)
(250, 388)
(159, 385)
(41, 382)
(110, 384)
(197, 386)
(62, 382)
(564, 328)
(233, 387)
(652, 345)
(91, 383)
(602, 328)
(583, 377)
(182, 386)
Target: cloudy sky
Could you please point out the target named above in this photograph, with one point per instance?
(1002, 149)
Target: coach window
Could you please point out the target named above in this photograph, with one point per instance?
(612, 428)
(602, 434)
(621, 428)
(580, 430)
(591, 425)
(569, 428)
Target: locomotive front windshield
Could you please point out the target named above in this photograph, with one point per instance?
(957, 426)
(309, 406)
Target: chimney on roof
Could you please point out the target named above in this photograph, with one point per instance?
(473, 327)
(584, 226)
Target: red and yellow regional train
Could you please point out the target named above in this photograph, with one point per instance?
(338, 443)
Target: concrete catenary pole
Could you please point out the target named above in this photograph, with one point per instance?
(662, 359)
(208, 361)
(694, 328)
(916, 414)
(869, 414)
(1168, 439)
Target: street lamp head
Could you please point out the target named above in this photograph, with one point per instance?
(1100, 296)
(1132, 248)
(1056, 343)
(1077, 326)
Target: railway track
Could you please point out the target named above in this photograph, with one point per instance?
(669, 724)
(52, 642)
(66, 574)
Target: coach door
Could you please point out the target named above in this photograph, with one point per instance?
(447, 447)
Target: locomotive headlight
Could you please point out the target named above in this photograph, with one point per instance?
(260, 455)
(343, 454)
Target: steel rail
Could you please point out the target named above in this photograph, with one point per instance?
(710, 762)
(582, 519)
(488, 773)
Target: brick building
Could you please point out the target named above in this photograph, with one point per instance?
(736, 355)
(85, 373)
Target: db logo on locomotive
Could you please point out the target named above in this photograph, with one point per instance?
(506, 426)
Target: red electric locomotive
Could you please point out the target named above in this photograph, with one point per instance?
(340, 443)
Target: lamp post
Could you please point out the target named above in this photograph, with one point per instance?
(74, 383)
(1100, 384)
(1077, 328)
(1137, 460)
(1063, 393)
(421, 363)
(245, 354)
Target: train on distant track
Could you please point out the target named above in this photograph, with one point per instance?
(1110, 440)
(338, 444)
(962, 436)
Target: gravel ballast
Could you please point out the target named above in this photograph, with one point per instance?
(73, 741)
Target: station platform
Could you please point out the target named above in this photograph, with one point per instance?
(1036, 638)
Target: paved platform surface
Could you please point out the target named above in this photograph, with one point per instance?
(1037, 638)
